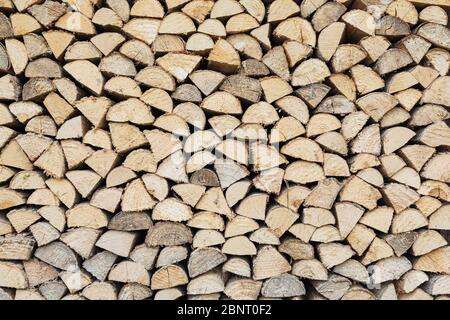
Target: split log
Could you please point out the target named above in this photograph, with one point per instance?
(79, 69)
(352, 269)
(85, 215)
(390, 269)
(108, 41)
(268, 263)
(203, 260)
(142, 29)
(310, 269)
(304, 33)
(358, 293)
(367, 196)
(360, 238)
(128, 271)
(433, 14)
(100, 264)
(275, 88)
(130, 221)
(332, 254)
(333, 288)
(310, 71)
(296, 52)
(223, 57)
(58, 41)
(81, 240)
(39, 272)
(411, 280)
(167, 234)
(134, 291)
(12, 276)
(168, 277)
(435, 261)
(100, 291)
(44, 233)
(18, 247)
(117, 242)
(10, 88)
(17, 54)
(59, 255)
(426, 242)
(437, 285)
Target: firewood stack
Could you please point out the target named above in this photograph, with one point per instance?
(202, 149)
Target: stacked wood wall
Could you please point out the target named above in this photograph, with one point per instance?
(201, 149)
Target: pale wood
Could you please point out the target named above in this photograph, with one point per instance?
(438, 284)
(117, 242)
(310, 269)
(130, 221)
(35, 45)
(13, 276)
(10, 88)
(136, 197)
(296, 52)
(401, 242)
(318, 217)
(168, 277)
(378, 249)
(268, 263)
(411, 280)
(262, 35)
(416, 46)
(17, 55)
(394, 26)
(334, 288)
(206, 238)
(58, 255)
(408, 98)
(430, 170)
(435, 261)
(223, 57)
(443, 3)
(352, 269)
(310, 71)
(85, 215)
(240, 225)
(39, 272)
(58, 41)
(390, 269)
(100, 264)
(54, 215)
(426, 242)
(360, 238)
(358, 293)
(347, 56)
(286, 30)
(93, 83)
(360, 23)
(34, 89)
(128, 271)
(427, 205)
(332, 254)
(392, 60)
(264, 236)
(435, 33)
(108, 41)
(367, 197)
(245, 44)
(81, 240)
(433, 14)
